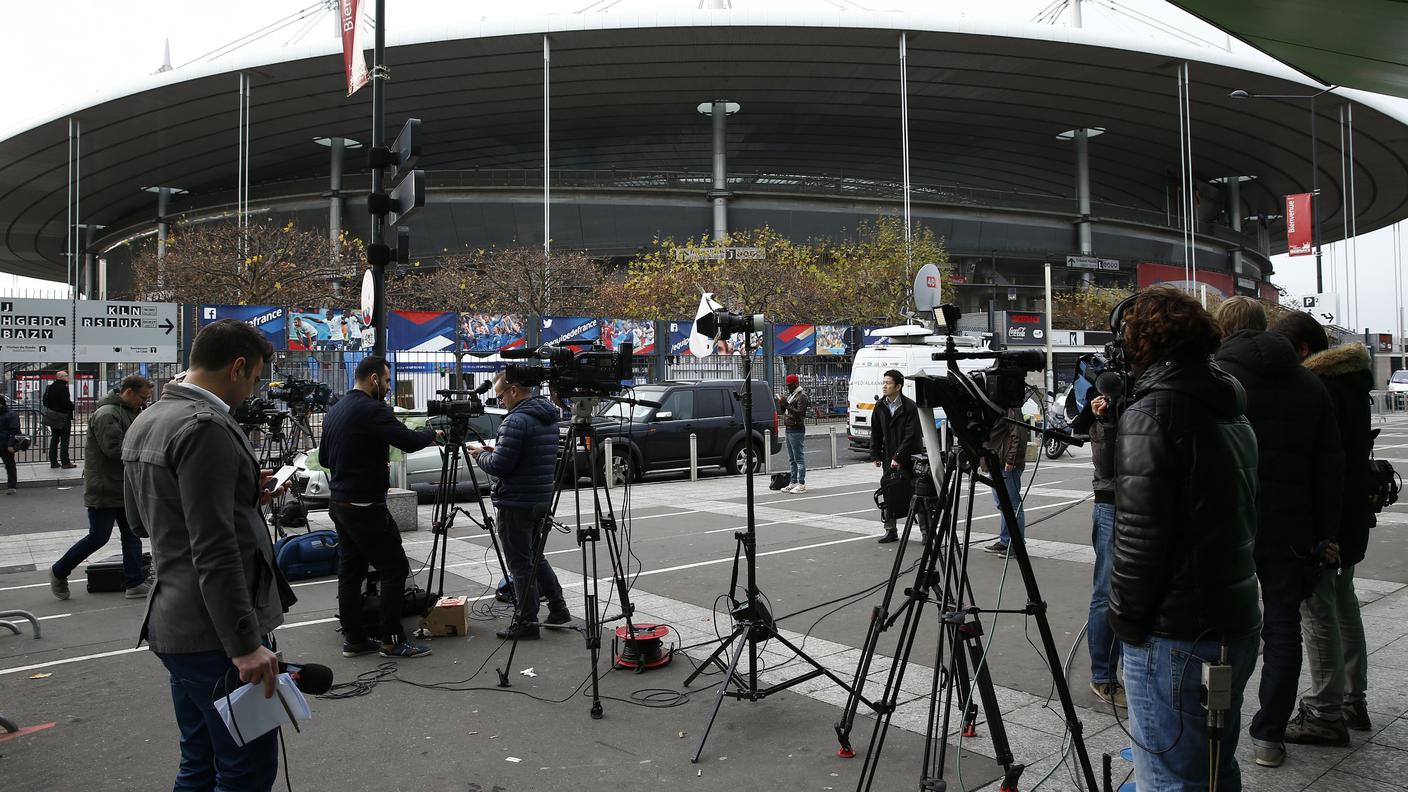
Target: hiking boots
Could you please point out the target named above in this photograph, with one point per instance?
(1307, 728)
(1110, 693)
(519, 632)
(558, 616)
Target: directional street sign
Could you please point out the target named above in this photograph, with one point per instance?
(42, 331)
(720, 254)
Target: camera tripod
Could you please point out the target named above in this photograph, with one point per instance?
(753, 623)
(941, 579)
(603, 525)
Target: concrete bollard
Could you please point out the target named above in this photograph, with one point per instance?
(608, 462)
(831, 438)
(693, 456)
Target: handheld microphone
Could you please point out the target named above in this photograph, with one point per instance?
(484, 387)
(1110, 384)
(310, 678)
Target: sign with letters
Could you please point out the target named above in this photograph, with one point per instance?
(96, 331)
(1025, 328)
(1093, 263)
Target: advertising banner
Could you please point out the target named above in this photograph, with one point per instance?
(421, 331)
(679, 337)
(797, 339)
(733, 345)
(271, 320)
(571, 330)
(639, 332)
(830, 339)
(1025, 328)
(354, 58)
(482, 332)
(328, 330)
(1299, 229)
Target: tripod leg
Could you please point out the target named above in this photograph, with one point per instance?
(712, 659)
(738, 638)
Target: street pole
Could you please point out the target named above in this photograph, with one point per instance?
(1050, 373)
(1315, 200)
(378, 264)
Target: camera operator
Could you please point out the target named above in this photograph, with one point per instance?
(191, 483)
(523, 460)
(1184, 588)
(1332, 626)
(1098, 420)
(1299, 478)
(358, 433)
(894, 438)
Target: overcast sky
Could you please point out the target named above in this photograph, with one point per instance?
(56, 63)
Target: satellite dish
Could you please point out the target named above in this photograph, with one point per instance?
(368, 298)
(928, 289)
(701, 345)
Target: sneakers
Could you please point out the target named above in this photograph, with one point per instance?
(1307, 728)
(138, 591)
(558, 617)
(58, 585)
(405, 650)
(12, 491)
(797, 489)
(1110, 693)
(359, 648)
(890, 536)
(998, 548)
(519, 632)
(1269, 754)
(787, 488)
(1356, 716)
(69, 466)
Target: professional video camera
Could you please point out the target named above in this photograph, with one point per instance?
(256, 411)
(458, 405)
(297, 393)
(596, 371)
(1005, 381)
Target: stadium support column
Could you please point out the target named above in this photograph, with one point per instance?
(1234, 213)
(720, 110)
(1082, 138)
(336, 148)
(163, 199)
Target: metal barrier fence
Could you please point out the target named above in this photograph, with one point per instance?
(1386, 403)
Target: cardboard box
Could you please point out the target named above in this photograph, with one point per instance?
(449, 618)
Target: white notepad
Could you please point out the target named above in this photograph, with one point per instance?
(248, 715)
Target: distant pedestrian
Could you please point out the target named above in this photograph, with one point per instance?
(58, 416)
(894, 439)
(1009, 441)
(793, 406)
(9, 434)
(102, 490)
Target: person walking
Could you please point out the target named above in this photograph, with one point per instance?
(793, 405)
(102, 490)
(894, 439)
(58, 416)
(9, 443)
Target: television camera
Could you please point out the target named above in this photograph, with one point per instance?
(458, 405)
(300, 394)
(256, 411)
(595, 371)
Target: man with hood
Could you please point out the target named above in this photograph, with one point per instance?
(522, 461)
(1298, 499)
(102, 490)
(1183, 590)
(1330, 620)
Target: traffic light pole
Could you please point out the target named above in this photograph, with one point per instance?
(378, 254)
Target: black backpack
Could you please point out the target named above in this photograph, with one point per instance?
(1384, 481)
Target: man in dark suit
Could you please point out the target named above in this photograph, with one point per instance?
(58, 416)
(894, 438)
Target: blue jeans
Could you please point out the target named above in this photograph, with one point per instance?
(1163, 681)
(797, 453)
(1014, 490)
(1099, 637)
(517, 535)
(210, 759)
(1280, 573)
(100, 522)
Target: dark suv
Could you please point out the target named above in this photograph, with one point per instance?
(647, 439)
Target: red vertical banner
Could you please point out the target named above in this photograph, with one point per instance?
(1298, 228)
(354, 59)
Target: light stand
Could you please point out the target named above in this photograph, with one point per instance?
(753, 623)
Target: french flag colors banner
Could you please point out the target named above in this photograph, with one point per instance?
(270, 320)
(640, 333)
(797, 339)
(679, 337)
(571, 330)
(421, 331)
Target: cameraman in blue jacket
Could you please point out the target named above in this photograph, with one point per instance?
(523, 460)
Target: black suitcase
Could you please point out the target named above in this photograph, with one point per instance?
(107, 575)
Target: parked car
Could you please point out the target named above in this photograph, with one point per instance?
(650, 439)
(422, 467)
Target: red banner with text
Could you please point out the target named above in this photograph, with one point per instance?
(1298, 224)
(354, 59)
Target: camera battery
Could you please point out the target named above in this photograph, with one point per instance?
(1217, 686)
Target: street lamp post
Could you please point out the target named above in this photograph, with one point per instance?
(1314, 173)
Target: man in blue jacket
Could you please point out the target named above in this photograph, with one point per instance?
(523, 460)
(358, 433)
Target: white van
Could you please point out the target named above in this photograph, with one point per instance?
(908, 348)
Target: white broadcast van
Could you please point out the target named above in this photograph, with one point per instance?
(908, 348)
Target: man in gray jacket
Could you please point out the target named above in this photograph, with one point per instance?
(102, 490)
(193, 486)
